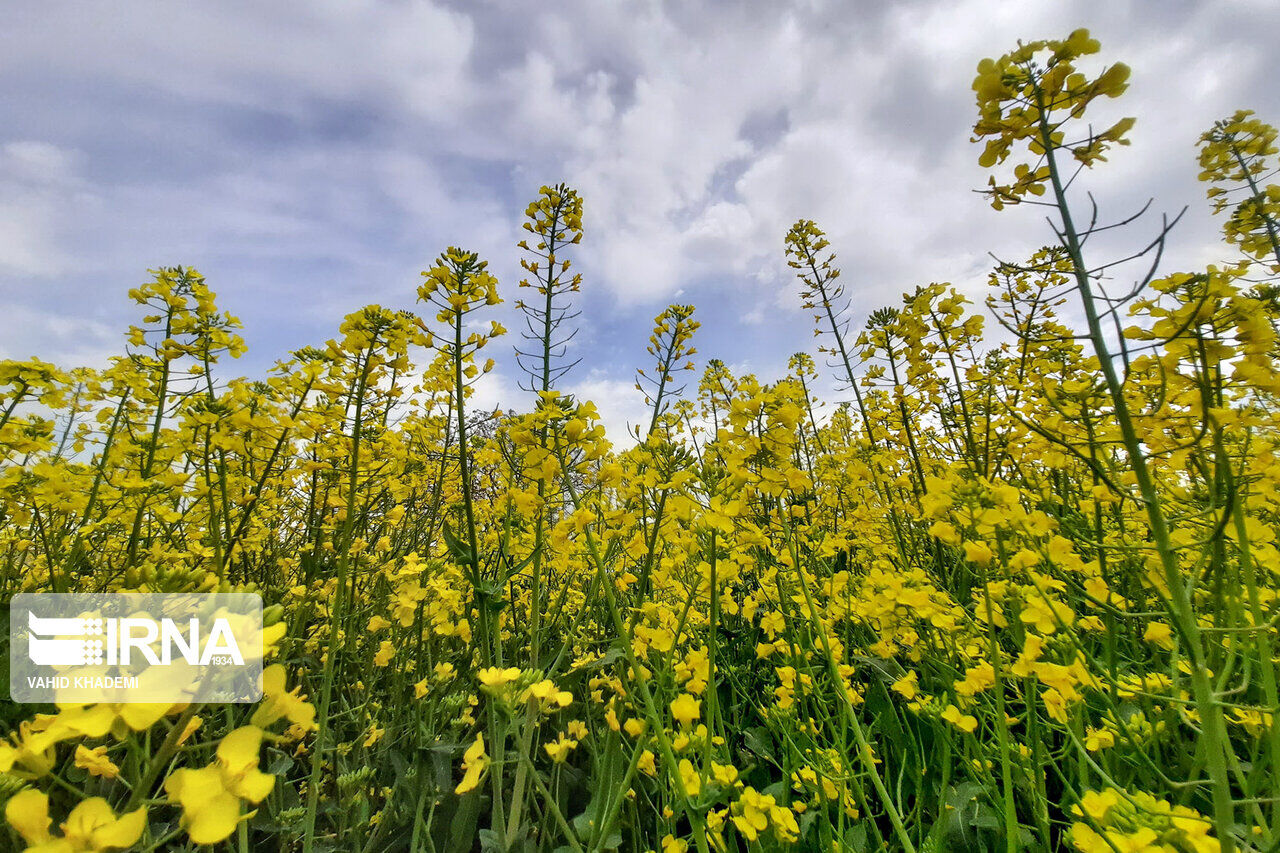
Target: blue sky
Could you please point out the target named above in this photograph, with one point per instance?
(312, 157)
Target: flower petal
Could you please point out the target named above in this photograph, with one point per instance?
(28, 812)
(239, 749)
(123, 832)
(215, 820)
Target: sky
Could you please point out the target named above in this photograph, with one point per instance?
(312, 157)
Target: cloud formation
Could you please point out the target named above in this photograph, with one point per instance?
(310, 157)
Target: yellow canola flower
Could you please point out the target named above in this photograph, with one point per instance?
(31, 753)
(692, 781)
(976, 679)
(978, 552)
(671, 844)
(1046, 615)
(494, 677)
(685, 709)
(1159, 634)
(474, 763)
(965, 722)
(560, 749)
(725, 774)
(752, 812)
(772, 623)
(96, 762)
(278, 703)
(1096, 804)
(548, 696)
(1138, 822)
(1099, 739)
(907, 686)
(91, 826)
(210, 796)
(95, 721)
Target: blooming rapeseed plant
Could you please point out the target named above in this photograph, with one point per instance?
(984, 604)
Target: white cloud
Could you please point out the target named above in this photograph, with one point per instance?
(409, 55)
(317, 154)
(494, 390)
(80, 341)
(38, 182)
(620, 405)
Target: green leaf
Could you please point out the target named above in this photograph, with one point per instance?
(460, 552)
(855, 839)
(465, 820)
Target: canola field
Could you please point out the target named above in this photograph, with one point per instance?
(1013, 590)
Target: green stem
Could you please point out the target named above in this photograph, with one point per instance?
(1179, 600)
(336, 611)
